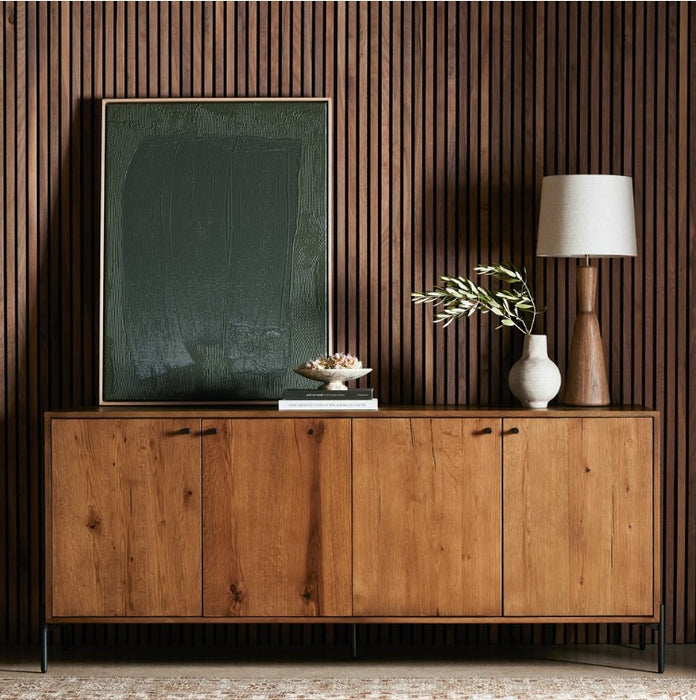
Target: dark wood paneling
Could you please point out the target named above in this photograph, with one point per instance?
(446, 117)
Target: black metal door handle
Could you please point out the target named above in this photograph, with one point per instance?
(514, 431)
(210, 431)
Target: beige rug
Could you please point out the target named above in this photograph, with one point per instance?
(63, 688)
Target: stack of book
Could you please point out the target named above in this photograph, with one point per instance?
(322, 400)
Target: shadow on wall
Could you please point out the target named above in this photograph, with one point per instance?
(51, 353)
(468, 362)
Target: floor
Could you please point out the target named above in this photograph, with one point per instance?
(597, 661)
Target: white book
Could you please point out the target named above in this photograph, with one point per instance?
(328, 405)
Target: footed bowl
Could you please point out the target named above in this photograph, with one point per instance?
(333, 379)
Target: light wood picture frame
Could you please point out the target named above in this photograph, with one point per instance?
(215, 279)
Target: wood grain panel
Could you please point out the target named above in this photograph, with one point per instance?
(580, 537)
(446, 117)
(125, 518)
(294, 475)
(427, 517)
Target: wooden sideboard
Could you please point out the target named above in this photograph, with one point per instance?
(406, 514)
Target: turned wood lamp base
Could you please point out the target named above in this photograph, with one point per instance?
(586, 376)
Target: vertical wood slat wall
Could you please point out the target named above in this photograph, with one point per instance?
(446, 116)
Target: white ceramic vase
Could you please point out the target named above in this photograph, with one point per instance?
(534, 379)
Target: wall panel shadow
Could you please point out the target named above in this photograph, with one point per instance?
(446, 116)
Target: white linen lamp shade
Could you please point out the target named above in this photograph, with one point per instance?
(584, 216)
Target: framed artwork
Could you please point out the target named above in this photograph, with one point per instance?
(214, 248)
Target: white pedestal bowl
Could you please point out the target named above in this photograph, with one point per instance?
(333, 379)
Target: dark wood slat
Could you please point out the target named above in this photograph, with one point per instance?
(296, 71)
(308, 48)
(513, 232)
(419, 280)
(350, 243)
(89, 204)
(22, 300)
(340, 80)
(319, 49)
(431, 273)
(140, 36)
(11, 253)
(127, 47)
(186, 49)
(197, 39)
(6, 527)
(174, 40)
(274, 48)
(43, 228)
(373, 182)
(264, 68)
(393, 245)
(360, 343)
(439, 184)
(459, 188)
(9, 624)
(33, 206)
(637, 168)
(661, 303)
(152, 44)
(674, 248)
(285, 38)
(469, 37)
(208, 48)
(406, 209)
(688, 61)
(498, 161)
(484, 203)
(162, 30)
(74, 131)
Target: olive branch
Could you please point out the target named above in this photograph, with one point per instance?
(460, 296)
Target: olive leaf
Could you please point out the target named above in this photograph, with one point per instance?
(461, 297)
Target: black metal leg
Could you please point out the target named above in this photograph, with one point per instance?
(661, 641)
(354, 641)
(44, 647)
(660, 629)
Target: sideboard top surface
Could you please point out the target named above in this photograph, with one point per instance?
(421, 411)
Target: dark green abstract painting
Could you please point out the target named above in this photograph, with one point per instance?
(214, 250)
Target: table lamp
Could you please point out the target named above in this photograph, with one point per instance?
(586, 216)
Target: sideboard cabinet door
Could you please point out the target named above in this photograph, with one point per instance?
(578, 503)
(427, 517)
(124, 518)
(277, 521)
